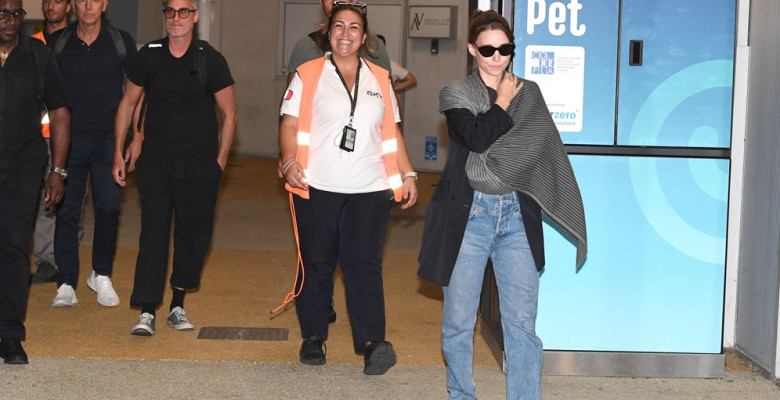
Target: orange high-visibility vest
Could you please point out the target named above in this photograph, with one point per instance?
(45, 123)
(310, 73)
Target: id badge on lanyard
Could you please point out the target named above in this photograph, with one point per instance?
(349, 134)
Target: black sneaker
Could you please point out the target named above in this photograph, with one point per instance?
(379, 357)
(312, 351)
(46, 273)
(12, 352)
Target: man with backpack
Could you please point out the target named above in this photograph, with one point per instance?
(30, 82)
(93, 57)
(184, 153)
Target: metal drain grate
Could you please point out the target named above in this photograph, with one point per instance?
(234, 333)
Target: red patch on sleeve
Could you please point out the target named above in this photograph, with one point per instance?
(288, 94)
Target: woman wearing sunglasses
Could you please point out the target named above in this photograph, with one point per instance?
(506, 166)
(345, 164)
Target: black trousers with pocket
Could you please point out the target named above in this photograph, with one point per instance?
(185, 190)
(19, 192)
(348, 230)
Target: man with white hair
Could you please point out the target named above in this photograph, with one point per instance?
(90, 58)
(184, 153)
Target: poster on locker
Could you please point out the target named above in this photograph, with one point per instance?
(560, 70)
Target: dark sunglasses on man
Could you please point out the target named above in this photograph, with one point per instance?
(18, 14)
(184, 13)
(504, 50)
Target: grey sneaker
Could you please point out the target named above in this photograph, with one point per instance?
(179, 321)
(145, 325)
(46, 272)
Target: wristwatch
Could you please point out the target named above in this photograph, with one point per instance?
(411, 175)
(62, 171)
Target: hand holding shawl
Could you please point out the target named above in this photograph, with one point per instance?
(530, 158)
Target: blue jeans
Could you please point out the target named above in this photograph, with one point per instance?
(495, 230)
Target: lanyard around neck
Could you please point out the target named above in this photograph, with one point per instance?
(352, 101)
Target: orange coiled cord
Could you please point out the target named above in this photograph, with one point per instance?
(299, 267)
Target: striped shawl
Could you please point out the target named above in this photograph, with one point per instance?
(530, 158)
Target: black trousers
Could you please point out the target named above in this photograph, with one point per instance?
(88, 157)
(348, 229)
(185, 190)
(19, 192)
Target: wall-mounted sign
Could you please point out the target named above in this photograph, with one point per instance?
(438, 22)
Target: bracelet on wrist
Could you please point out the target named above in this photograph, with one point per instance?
(288, 164)
(411, 175)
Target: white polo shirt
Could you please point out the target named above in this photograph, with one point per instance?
(397, 71)
(331, 168)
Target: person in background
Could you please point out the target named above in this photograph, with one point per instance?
(401, 77)
(506, 165)
(345, 163)
(30, 81)
(93, 69)
(55, 13)
(185, 151)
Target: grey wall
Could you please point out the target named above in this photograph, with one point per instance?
(124, 15)
(249, 43)
(433, 71)
(150, 20)
(759, 263)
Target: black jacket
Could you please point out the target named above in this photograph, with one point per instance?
(448, 211)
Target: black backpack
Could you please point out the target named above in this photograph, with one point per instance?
(119, 43)
(198, 59)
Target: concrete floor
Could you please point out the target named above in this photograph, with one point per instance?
(86, 352)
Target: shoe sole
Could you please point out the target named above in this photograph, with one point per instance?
(141, 332)
(43, 280)
(91, 285)
(316, 361)
(182, 328)
(380, 360)
(16, 361)
(64, 303)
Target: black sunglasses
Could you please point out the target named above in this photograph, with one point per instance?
(345, 4)
(18, 14)
(184, 13)
(504, 50)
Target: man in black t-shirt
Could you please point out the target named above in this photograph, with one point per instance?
(30, 80)
(184, 153)
(93, 57)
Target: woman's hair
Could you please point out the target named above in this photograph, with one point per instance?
(322, 36)
(482, 21)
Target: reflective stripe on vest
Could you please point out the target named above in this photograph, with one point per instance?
(310, 73)
(45, 119)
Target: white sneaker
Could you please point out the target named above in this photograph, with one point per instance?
(105, 290)
(65, 297)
